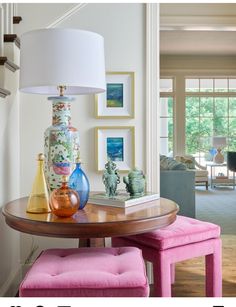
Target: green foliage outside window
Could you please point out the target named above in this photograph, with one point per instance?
(167, 105)
(206, 117)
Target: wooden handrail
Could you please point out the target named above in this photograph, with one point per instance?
(12, 38)
(9, 38)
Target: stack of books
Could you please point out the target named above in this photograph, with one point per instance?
(121, 200)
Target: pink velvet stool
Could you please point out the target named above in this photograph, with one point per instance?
(87, 272)
(186, 238)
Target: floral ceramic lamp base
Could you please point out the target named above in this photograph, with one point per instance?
(61, 143)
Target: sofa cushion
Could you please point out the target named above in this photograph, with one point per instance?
(87, 272)
(167, 163)
(183, 231)
(189, 162)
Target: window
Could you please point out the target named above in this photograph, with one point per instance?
(166, 116)
(210, 110)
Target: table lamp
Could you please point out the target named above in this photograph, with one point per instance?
(55, 62)
(218, 142)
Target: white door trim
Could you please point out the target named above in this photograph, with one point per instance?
(152, 97)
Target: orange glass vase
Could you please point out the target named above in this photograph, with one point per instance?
(64, 202)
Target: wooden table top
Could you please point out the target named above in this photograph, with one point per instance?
(94, 221)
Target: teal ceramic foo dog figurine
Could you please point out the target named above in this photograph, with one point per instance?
(135, 183)
(111, 179)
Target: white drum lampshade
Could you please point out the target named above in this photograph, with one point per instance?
(69, 57)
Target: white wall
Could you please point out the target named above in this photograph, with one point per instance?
(39, 15)
(9, 178)
(123, 28)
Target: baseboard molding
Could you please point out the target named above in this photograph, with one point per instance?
(11, 285)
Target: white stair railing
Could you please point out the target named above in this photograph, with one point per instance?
(15, 11)
(10, 19)
(6, 16)
(66, 15)
(1, 29)
(7, 11)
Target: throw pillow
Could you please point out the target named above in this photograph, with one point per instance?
(167, 163)
(190, 163)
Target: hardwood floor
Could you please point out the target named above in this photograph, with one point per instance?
(190, 275)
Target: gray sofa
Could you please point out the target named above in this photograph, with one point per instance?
(179, 186)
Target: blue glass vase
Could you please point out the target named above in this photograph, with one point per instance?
(79, 182)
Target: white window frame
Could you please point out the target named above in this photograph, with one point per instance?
(172, 95)
(212, 94)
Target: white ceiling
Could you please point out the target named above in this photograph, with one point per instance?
(198, 29)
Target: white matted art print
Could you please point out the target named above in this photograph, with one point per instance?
(118, 99)
(116, 144)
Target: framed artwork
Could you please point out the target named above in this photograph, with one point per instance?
(117, 144)
(118, 99)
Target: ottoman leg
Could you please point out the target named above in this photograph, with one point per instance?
(214, 271)
(162, 276)
(172, 269)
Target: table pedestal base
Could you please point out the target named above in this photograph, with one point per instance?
(92, 242)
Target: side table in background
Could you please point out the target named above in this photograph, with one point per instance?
(220, 180)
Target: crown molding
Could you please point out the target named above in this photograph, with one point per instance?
(198, 23)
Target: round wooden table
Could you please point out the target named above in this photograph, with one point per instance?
(94, 221)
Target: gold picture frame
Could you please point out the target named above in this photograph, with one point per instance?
(115, 143)
(118, 100)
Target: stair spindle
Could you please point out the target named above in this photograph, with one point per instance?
(10, 19)
(6, 14)
(1, 29)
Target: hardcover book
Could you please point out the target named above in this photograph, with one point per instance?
(121, 200)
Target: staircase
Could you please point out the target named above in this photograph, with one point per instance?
(9, 46)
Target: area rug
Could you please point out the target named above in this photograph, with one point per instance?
(217, 206)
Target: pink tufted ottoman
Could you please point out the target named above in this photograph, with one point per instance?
(186, 238)
(87, 272)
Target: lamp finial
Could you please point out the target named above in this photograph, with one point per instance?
(62, 89)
